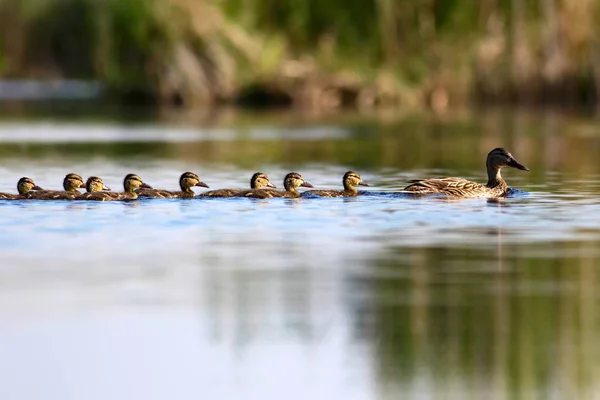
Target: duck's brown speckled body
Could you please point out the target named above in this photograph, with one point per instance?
(131, 183)
(463, 188)
(291, 182)
(350, 180)
(259, 181)
(186, 182)
(24, 186)
(71, 183)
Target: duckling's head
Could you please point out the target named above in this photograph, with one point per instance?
(352, 179)
(294, 180)
(133, 182)
(499, 158)
(72, 182)
(26, 184)
(95, 184)
(189, 179)
(260, 180)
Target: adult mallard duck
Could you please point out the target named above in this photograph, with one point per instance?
(459, 187)
(94, 185)
(349, 180)
(131, 183)
(24, 186)
(71, 183)
(186, 182)
(259, 181)
(291, 181)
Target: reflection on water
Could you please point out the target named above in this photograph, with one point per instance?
(379, 296)
(479, 321)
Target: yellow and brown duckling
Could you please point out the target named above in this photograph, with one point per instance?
(94, 185)
(350, 180)
(187, 180)
(259, 181)
(131, 183)
(71, 183)
(291, 182)
(24, 186)
(463, 188)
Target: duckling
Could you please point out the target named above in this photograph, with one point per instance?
(463, 188)
(93, 185)
(71, 183)
(349, 180)
(290, 183)
(24, 185)
(130, 184)
(186, 182)
(257, 182)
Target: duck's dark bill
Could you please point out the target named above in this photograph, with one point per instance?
(36, 187)
(146, 186)
(363, 184)
(515, 164)
(306, 184)
(271, 185)
(202, 184)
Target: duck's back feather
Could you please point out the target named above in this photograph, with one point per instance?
(51, 195)
(452, 186)
(221, 193)
(261, 193)
(101, 196)
(8, 196)
(331, 193)
(157, 193)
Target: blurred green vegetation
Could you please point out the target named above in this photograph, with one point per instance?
(327, 54)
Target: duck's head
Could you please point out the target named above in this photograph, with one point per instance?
(294, 180)
(133, 182)
(260, 180)
(95, 184)
(352, 179)
(72, 182)
(26, 184)
(189, 179)
(499, 158)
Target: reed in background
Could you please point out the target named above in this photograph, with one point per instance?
(310, 53)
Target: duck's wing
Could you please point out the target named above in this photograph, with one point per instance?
(100, 196)
(324, 193)
(182, 195)
(220, 193)
(52, 195)
(8, 196)
(451, 186)
(260, 193)
(157, 193)
(38, 194)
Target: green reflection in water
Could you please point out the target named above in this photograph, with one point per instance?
(456, 143)
(497, 322)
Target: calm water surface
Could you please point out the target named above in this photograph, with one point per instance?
(374, 297)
